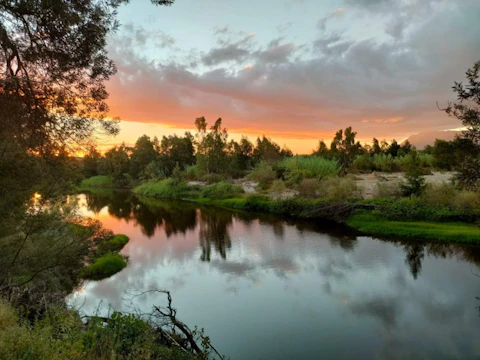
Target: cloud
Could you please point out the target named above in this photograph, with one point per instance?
(237, 51)
(382, 88)
(335, 14)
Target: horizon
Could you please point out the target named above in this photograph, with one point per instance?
(298, 75)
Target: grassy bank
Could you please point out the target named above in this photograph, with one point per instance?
(406, 217)
(451, 232)
(61, 334)
(99, 181)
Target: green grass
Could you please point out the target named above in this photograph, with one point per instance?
(222, 190)
(167, 189)
(60, 334)
(104, 267)
(310, 166)
(115, 244)
(451, 232)
(100, 181)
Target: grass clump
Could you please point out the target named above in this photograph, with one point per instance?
(222, 190)
(114, 244)
(104, 267)
(309, 166)
(168, 189)
(388, 189)
(263, 174)
(60, 334)
(99, 181)
(338, 189)
(452, 232)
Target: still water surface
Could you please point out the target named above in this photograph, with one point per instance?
(265, 287)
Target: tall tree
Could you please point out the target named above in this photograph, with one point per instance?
(467, 110)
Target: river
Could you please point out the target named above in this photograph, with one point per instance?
(265, 287)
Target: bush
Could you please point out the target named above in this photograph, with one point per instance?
(308, 187)
(168, 188)
(362, 163)
(467, 201)
(213, 178)
(388, 189)
(278, 187)
(192, 172)
(104, 267)
(263, 174)
(414, 182)
(100, 181)
(338, 189)
(61, 335)
(221, 190)
(310, 166)
(440, 194)
(385, 163)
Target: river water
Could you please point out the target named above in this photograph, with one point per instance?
(265, 287)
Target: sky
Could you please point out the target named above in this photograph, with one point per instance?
(294, 70)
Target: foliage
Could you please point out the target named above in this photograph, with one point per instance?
(177, 150)
(167, 188)
(467, 110)
(278, 187)
(104, 267)
(308, 187)
(99, 181)
(414, 181)
(60, 334)
(263, 174)
(222, 190)
(211, 146)
(309, 166)
(338, 188)
(388, 189)
(114, 244)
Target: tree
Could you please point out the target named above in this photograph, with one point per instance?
(211, 146)
(467, 110)
(266, 150)
(91, 163)
(175, 149)
(143, 153)
(54, 63)
(344, 147)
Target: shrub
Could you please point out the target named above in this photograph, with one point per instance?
(388, 189)
(278, 187)
(221, 190)
(310, 166)
(167, 188)
(467, 201)
(440, 194)
(100, 181)
(385, 163)
(104, 267)
(308, 187)
(213, 178)
(338, 189)
(414, 182)
(192, 172)
(362, 163)
(263, 174)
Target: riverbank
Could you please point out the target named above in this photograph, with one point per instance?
(414, 218)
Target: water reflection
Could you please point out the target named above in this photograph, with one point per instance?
(267, 287)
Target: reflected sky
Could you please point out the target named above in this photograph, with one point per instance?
(271, 288)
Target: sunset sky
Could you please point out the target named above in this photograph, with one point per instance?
(294, 70)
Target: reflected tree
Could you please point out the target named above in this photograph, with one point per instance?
(414, 256)
(214, 231)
